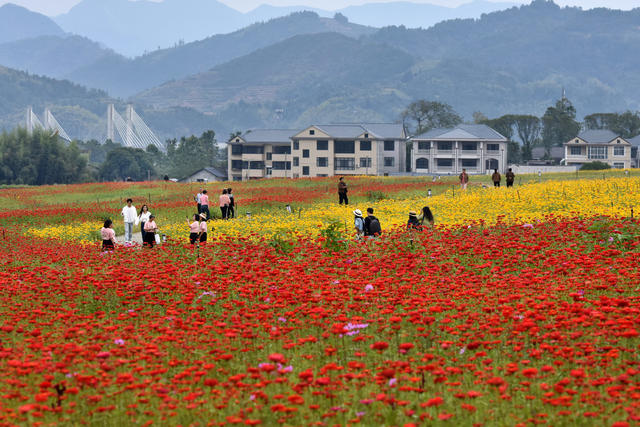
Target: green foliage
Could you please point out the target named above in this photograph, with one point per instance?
(40, 158)
(422, 116)
(125, 162)
(560, 124)
(191, 154)
(333, 238)
(375, 196)
(595, 166)
(626, 125)
(281, 243)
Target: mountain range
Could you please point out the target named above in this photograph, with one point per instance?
(305, 68)
(136, 27)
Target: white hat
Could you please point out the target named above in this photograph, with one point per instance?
(203, 216)
(357, 212)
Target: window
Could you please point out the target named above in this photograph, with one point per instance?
(256, 165)
(296, 161)
(280, 166)
(469, 163)
(245, 165)
(470, 146)
(236, 150)
(312, 132)
(389, 145)
(575, 151)
(268, 172)
(305, 171)
(253, 149)
(445, 146)
(444, 163)
(305, 154)
(618, 165)
(236, 165)
(493, 147)
(237, 178)
(365, 145)
(422, 163)
(268, 156)
(597, 153)
(344, 147)
(282, 149)
(365, 162)
(322, 145)
(618, 151)
(345, 164)
(389, 162)
(322, 175)
(424, 145)
(296, 145)
(322, 162)
(366, 136)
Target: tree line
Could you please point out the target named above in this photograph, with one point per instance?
(43, 158)
(557, 126)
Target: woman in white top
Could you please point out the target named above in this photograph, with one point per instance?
(142, 218)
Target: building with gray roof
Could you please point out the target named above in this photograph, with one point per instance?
(475, 148)
(260, 153)
(599, 145)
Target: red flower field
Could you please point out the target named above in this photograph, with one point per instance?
(501, 325)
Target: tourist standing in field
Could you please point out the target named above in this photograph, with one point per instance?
(194, 228)
(150, 228)
(143, 217)
(358, 223)
(204, 204)
(496, 178)
(108, 236)
(412, 222)
(342, 192)
(129, 216)
(464, 179)
(426, 216)
(510, 177)
(197, 198)
(372, 226)
(203, 229)
(224, 204)
(232, 204)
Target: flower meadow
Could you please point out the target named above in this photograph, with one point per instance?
(519, 307)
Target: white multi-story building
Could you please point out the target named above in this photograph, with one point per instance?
(598, 145)
(476, 148)
(260, 153)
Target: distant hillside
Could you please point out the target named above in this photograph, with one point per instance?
(18, 23)
(492, 65)
(124, 77)
(55, 56)
(82, 112)
(417, 15)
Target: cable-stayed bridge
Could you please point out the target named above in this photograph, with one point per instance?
(130, 131)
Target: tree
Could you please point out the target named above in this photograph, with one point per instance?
(426, 115)
(193, 153)
(528, 129)
(125, 162)
(626, 125)
(479, 117)
(503, 125)
(559, 124)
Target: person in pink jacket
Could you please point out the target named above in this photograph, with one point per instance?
(225, 201)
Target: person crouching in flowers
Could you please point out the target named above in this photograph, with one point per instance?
(108, 236)
(203, 228)
(358, 223)
(194, 228)
(413, 223)
(426, 217)
(150, 228)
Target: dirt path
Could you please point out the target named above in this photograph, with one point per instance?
(137, 238)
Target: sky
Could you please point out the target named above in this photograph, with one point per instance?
(56, 7)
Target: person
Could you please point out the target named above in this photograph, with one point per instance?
(372, 226)
(142, 218)
(150, 228)
(510, 177)
(358, 223)
(194, 228)
(197, 198)
(232, 210)
(203, 229)
(413, 222)
(342, 191)
(224, 204)
(204, 204)
(129, 216)
(426, 216)
(464, 179)
(496, 178)
(108, 236)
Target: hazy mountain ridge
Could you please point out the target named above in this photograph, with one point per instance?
(17, 23)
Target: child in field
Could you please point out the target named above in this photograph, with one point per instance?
(358, 223)
(413, 223)
(203, 228)
(150, 228)
(108, 236)
(194, 228)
